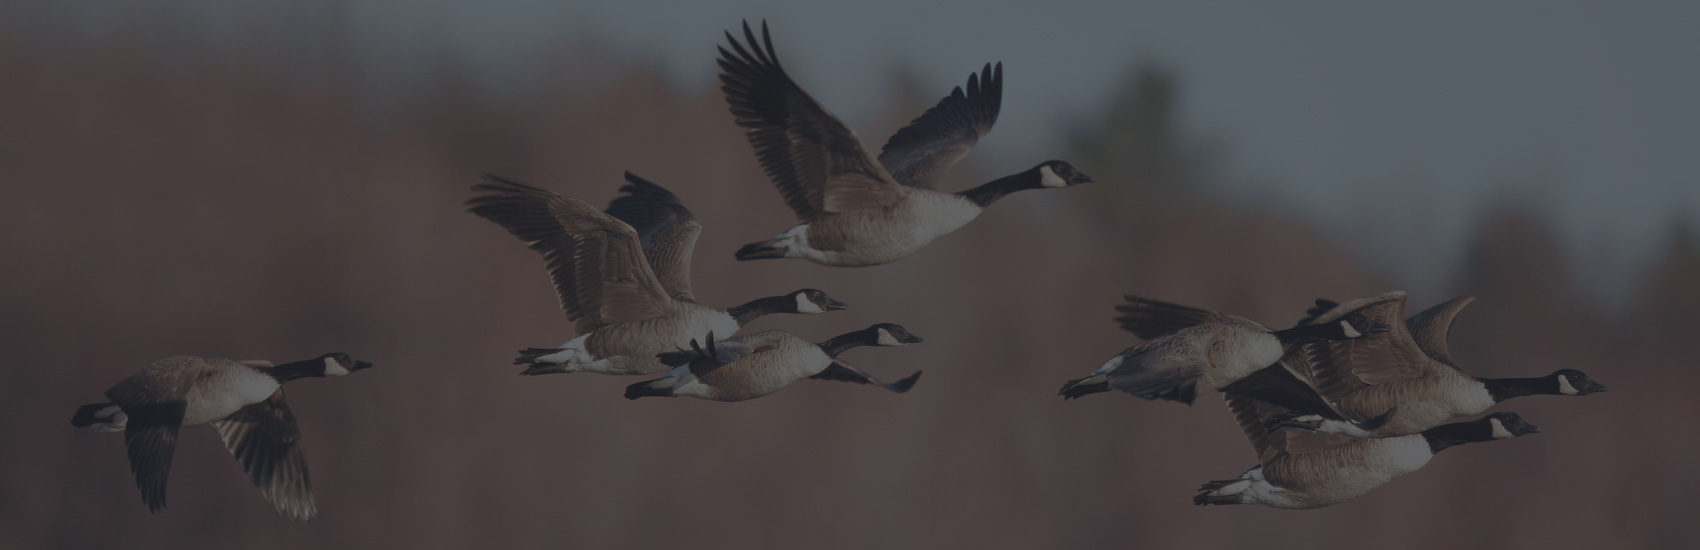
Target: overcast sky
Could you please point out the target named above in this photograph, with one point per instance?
(1392, 125)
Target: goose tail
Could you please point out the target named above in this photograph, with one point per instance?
(100, 417)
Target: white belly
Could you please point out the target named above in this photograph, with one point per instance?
(221, 394)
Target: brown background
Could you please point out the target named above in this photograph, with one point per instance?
(214, 203)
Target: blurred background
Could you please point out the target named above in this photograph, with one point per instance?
(278, 179)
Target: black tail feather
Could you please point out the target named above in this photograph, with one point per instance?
(528, 356)
(760, 251)
(1074, 389)
(642, 389)
(1204, 498)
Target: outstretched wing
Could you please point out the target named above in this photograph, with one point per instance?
(150, 437)
(1338, 368)
(921, 152)
(666, 228)
(1262, 400)
(596, 262)
(815, 160)
(1150, 319)
(266, 441)
(1430, 328)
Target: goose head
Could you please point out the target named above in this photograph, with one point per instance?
(1357, 325)
(1575, 382)
(1506, 425)
(339, 364)
(809, 300)
(1056, 173)
(890, 335)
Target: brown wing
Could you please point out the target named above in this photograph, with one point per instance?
(266, 441)
(1337, 368)
(1430, 328)
(666, 228)
(1150, 319)
(815, 160)
(925, 149)
(150, 437)
(596, 262)
(1262, 400)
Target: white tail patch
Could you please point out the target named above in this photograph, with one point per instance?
(1232, 489)
(334, 368)
(1349, 330)
(1564, 386)
(112, 419)
(1499, 431)
(806, 306)
(1049, 178)
(1110, 365)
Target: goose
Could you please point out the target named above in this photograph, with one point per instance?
(1299, 470)
(243, 400)
(1211, 351)
(623, 275)
(855, 210)
(1409, 370)
(754, 365)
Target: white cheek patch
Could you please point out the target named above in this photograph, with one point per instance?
(886, 339)
(806, 306)
(1499, 431)
(1049, 178)
(333, 368)
(1350, 332)
(1564, 386)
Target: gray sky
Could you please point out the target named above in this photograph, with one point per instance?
(1391, 125)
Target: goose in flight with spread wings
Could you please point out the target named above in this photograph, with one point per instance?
(624, 275)
(856, 210)
(1300, 470)
(243, 400)
(753, 365)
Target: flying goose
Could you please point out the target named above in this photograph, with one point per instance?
(623, 275)
(243, 400)
(856, 211)
(1409, 370)
(753, 365)
(1299, 470)
(1210, 351)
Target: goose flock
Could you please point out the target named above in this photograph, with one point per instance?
(1352, 396)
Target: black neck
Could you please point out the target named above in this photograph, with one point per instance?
(1506, 388)
(758, 307)
(844, 342)
(1307, 333)
(299, 369)
(1447, 435)
(991, 191)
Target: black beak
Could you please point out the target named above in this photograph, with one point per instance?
(912, 339)
(1531, 428)
(360, 365)
(1376, 327)
(1597, 387)
(1079, 178)
(834, 305)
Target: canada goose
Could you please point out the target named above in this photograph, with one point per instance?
(856, 211)
(1211, 351)
(753, 365)
(1409, 370)
(623, 275)
(1299, 470)
(243, 400)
